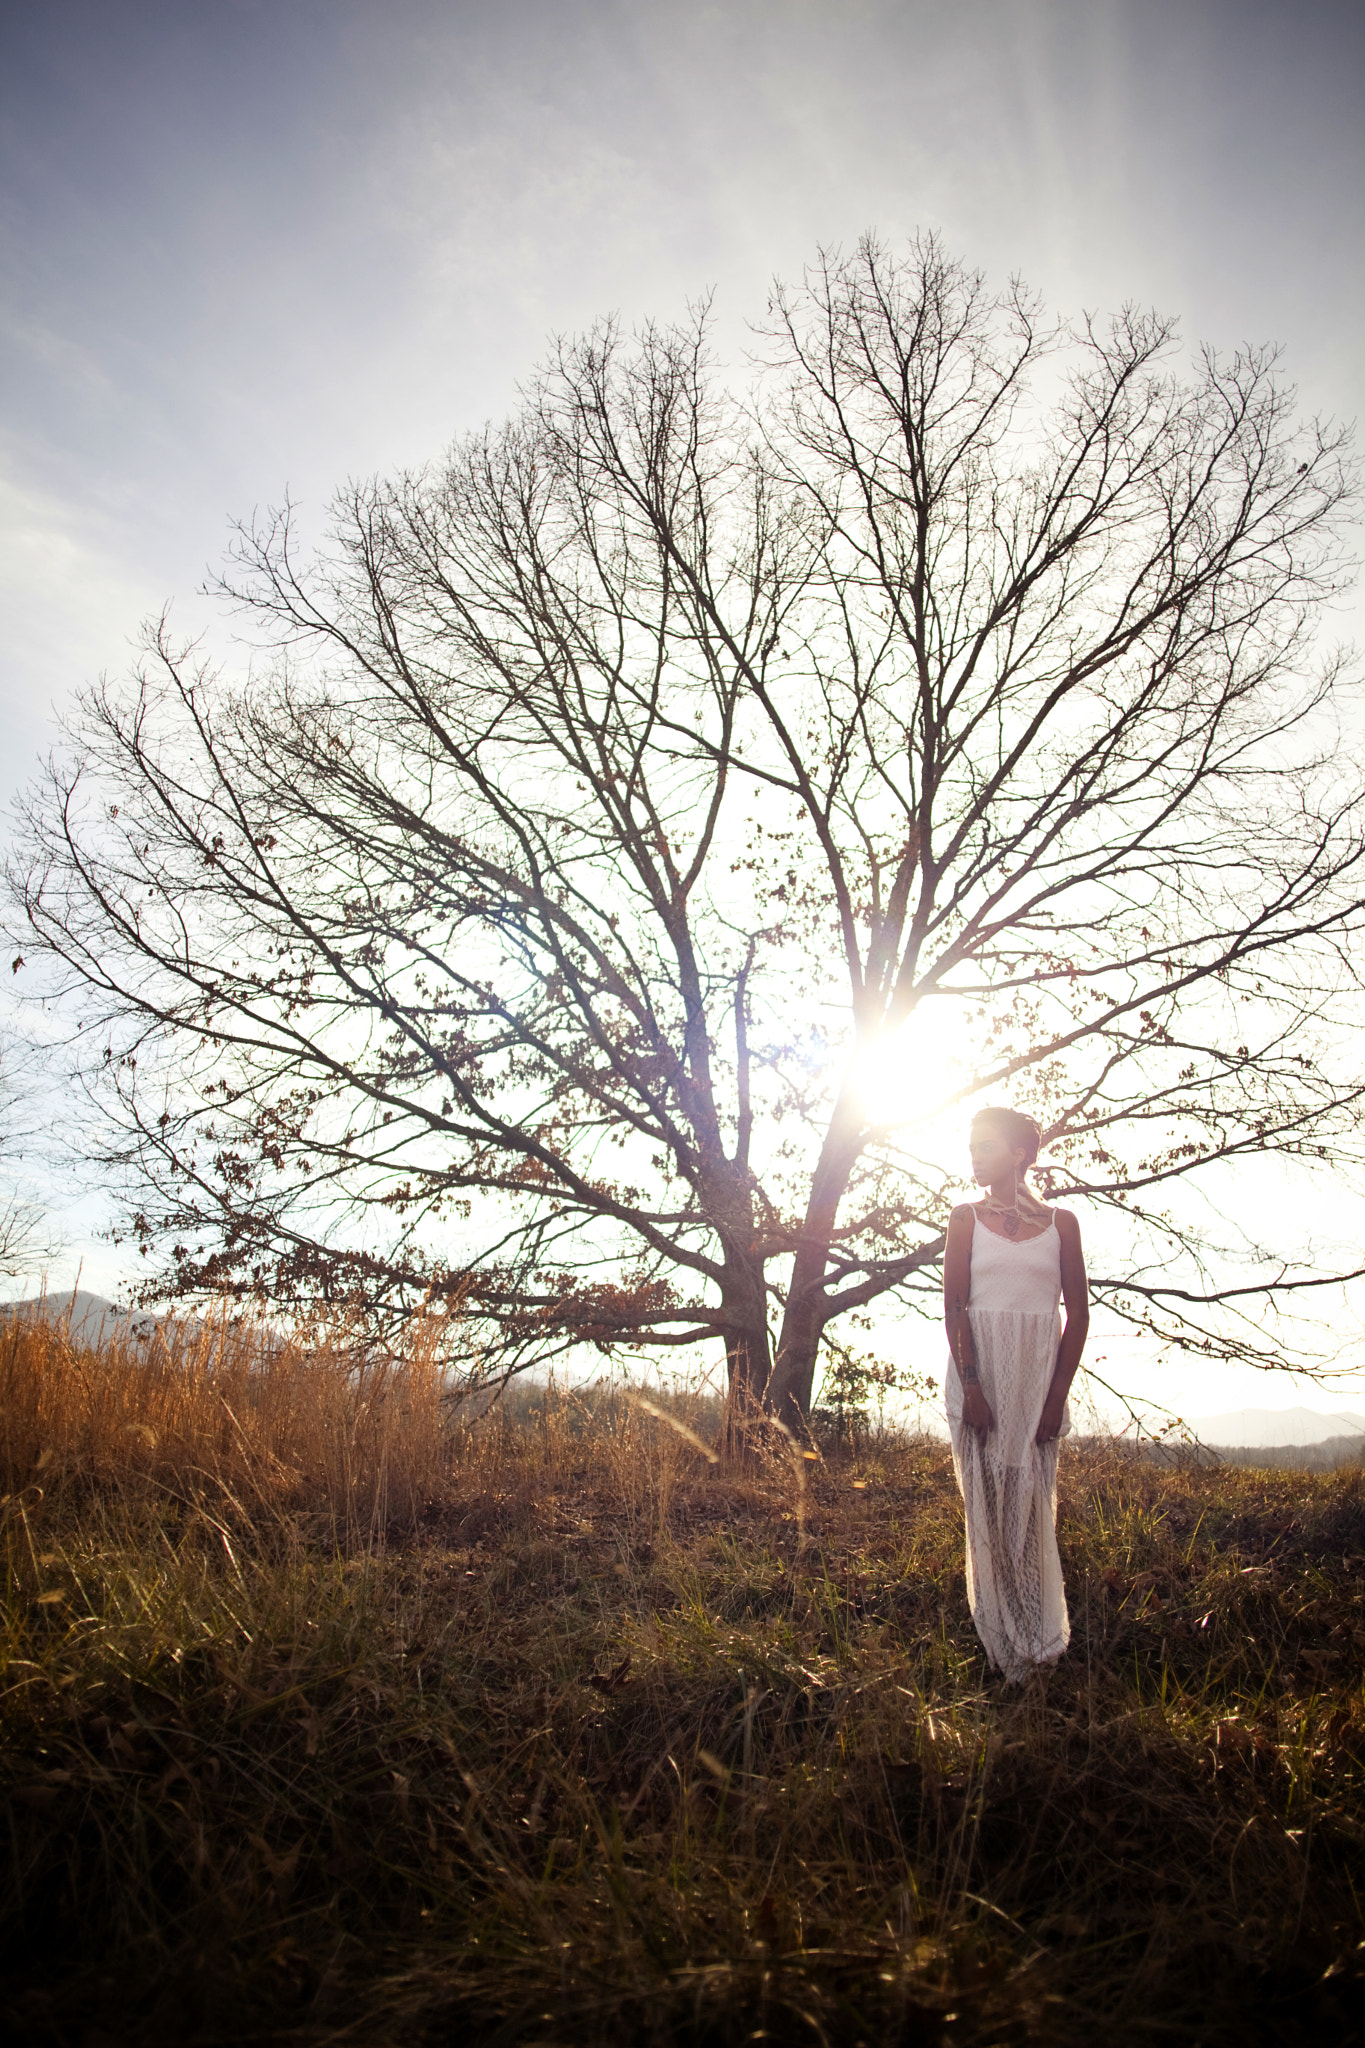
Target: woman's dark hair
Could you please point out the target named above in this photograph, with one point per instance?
(1019, 1132)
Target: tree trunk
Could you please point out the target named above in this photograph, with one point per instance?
(793, 1374)
(793, 1379)
(748, 1351)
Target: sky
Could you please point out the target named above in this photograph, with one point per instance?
(252, 245)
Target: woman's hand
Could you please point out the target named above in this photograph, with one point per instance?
(976, 1409)
(1050, 1421)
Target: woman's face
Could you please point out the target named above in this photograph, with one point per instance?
(992, 1158)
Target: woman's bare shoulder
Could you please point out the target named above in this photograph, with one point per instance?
(1067, 1221)
(963, 1212)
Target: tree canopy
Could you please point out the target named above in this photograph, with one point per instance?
(542, 925)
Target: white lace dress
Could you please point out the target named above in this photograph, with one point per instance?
(1009, 1483)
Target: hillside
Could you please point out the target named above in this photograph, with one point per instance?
(1265, 1428)
(89, 1319)
(325, 1722)
(1328, 1455)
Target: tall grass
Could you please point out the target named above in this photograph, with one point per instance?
(330, 1716)
(226, 1411)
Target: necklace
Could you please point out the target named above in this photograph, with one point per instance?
(1010, 1219)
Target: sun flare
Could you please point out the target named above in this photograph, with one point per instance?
(909, 1078)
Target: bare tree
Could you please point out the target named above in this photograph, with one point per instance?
(26, 1240)
(614, 789)
(22, 1240)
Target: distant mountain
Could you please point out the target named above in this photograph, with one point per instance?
(1263, 1428)
(94, 1319)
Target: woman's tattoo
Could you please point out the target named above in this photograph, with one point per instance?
(966, 1366)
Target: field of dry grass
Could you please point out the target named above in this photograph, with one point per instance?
(327, 1720)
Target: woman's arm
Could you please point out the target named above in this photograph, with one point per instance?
(957, 1286)
(1076, 1301)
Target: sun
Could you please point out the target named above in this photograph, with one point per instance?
(909, 1078)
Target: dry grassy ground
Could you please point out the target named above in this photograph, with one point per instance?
(325, 1721)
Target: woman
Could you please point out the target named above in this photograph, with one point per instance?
(1007, 1260)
